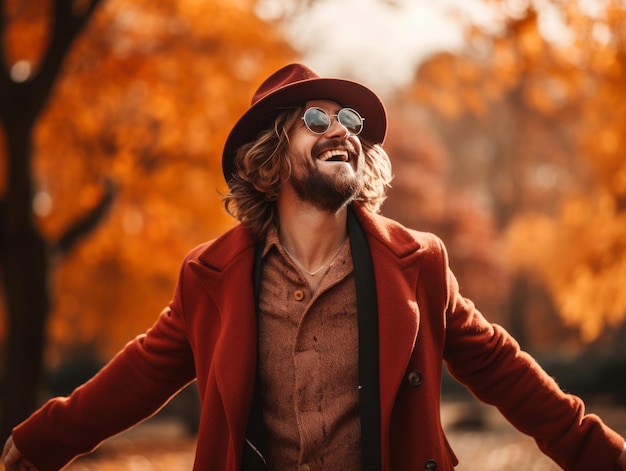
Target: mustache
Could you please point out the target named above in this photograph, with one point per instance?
(335, 143)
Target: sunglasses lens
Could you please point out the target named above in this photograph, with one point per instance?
(316, 120)
(351, 120)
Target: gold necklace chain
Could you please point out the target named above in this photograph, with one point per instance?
(315, 272)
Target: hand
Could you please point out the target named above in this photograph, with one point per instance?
(622, 458)
(13, 459)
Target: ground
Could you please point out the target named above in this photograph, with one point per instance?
(482, 440)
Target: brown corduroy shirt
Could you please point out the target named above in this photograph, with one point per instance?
(308, 346)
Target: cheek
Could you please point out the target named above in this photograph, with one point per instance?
(301, 137)
(299, 151)
(301, 162)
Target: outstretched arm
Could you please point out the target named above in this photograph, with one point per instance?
(485, 358)
(130, 388)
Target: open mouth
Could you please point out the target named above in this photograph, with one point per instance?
(334, 155)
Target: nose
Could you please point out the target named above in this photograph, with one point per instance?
(337, 129)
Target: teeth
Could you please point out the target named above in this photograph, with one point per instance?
(335, 155)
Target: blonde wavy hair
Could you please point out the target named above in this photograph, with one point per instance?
(261, 164)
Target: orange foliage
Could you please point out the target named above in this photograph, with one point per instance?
(451, 73)
(27, 30)
(146, 99)
(420, 198)
(555, 114)
(581, 255)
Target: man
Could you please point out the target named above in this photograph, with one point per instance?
(316, 329)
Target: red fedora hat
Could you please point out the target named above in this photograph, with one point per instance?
(296, 84)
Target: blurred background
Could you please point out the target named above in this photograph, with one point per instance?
(507, 130)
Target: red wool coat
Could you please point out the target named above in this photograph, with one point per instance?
(208, 332)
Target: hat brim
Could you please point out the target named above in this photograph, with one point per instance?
(345, 92)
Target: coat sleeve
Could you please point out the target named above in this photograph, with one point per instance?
(135, 384)
(487, 360)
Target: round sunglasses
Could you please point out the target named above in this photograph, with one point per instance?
(318, 121)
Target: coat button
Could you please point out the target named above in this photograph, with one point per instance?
(298, 295)
(430, 465)
(414, 378)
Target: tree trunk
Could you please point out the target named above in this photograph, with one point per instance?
(24, 265)
(25, 271)
(24, 260)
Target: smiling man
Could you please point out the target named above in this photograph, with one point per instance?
(316, 329)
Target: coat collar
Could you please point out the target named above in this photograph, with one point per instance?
(218, 254)
(396, 240)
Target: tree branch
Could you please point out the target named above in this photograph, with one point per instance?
(5, 79)
(84, 225)
(65, 29)
(35, 92)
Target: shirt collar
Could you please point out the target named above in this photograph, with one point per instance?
(271, 240)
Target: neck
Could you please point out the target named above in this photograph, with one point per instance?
(309, 234)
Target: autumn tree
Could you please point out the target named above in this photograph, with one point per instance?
(115, 133)
(23, 249)
(422, 198)
(535, 126)
(580, 252)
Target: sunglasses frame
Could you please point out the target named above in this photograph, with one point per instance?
(330, 119)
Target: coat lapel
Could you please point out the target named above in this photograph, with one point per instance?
(225, 270)
(396, 257)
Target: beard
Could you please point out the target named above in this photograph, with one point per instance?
(326, 191)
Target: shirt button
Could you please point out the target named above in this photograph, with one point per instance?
(430, 465)
(305, 467)
(298, 295)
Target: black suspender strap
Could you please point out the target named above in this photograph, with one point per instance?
(367, 309)
(254, 449)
